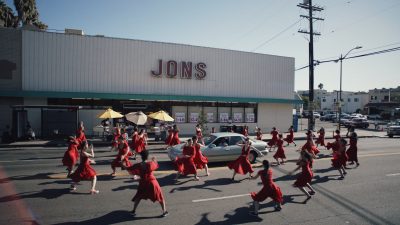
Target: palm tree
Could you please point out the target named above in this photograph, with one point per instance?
(7, 17)
(320, 86)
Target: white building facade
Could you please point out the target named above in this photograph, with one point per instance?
(78, 76)
(351, 101)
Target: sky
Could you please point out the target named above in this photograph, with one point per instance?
(261, 26)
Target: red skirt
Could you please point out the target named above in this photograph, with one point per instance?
(200, 161)
(272, 142)
(185, 166)
(289, 138)
(175, 140)
(280, 153)
(241, 165)
(84, 172)
(70, 158)
(352, 153)
(272, 191)
(303, 178)
(149, 189)
(333, 145)
(118, 163)
(338, 162)
(320, 140)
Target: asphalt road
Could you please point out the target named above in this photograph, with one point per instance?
(34, 190)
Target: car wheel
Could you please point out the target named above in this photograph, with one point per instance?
(390, 135)
(252, 157)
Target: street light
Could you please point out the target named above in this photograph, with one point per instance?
(340, 91)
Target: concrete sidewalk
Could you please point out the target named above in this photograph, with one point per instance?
(300, 135)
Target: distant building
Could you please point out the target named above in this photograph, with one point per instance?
(351, 101)
(384, 102)
(384, 95)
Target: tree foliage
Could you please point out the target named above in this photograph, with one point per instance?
(27, 14)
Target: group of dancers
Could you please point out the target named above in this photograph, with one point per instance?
(192, 159)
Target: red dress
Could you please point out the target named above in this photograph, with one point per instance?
(175, 138)
(280, 153)
(245, 132)
(80, 135)
(259, 135)
(334, 145)
(71, 155)
(199, 134)
(185, 165)
(140, 144)
(168, 141)
(352, 151)
(305, 176)
(270, 189)
(148, 185)
(199, 160)
(310, 147)
(339, 159)
(321, 138)
(290, 137)
(134, 140)
(115, 139)
(242, 164)
(121, 151)
(274, 139)
(84, 171)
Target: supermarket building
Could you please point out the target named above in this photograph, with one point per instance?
(54, 80)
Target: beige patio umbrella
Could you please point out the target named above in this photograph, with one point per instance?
(161, 115)
(110, 114)
(138, 118)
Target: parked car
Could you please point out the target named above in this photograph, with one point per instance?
(358, 123)
(223, 147)
(317, 115)
(374, 117)
(393, 129)
(328, 117)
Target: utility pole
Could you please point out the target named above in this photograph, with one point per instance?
(307, 4)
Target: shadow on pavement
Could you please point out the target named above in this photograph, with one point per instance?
(118, 216)
(45, 193)
(206, 185)
(240, 216)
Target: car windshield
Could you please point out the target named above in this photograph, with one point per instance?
(208, 140)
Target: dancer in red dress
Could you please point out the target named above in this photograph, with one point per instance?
(71, 156)
(304, 178)
(141, 142)
(290, 137)
(242, 164)
(272, 142)
(270, 189)
(199, 159)
(134, 140)
(280, 153)
(123, 155)
(114, 143)
(170, 136)
(340, 158)
(321, 137)
(185, 162)
(309, 145)
(175, 138)
(259, 134)
(352, 150)
(84, 170)
(199, 134)
(245, 131)
(334, 145)
(80, 133)
(148, 188)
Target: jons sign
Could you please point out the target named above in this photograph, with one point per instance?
(185, 70)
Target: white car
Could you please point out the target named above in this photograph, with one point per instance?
(393, 129)
(223, 147)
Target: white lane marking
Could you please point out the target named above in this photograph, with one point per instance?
(393, 174)
(219, 198)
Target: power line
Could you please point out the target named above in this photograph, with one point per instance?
(275, 36)
(317, 62)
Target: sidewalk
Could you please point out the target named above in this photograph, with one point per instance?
(300, 135)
